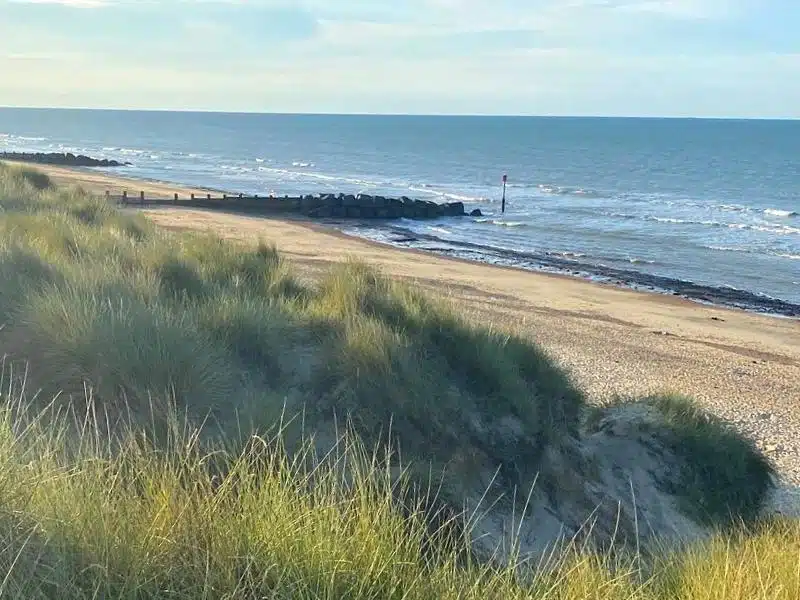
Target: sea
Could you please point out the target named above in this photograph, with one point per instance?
(709, 209)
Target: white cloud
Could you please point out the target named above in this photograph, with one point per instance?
(686, 9)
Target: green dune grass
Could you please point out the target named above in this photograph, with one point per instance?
(159, 397)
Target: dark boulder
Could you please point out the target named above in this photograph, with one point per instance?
(420, 209)
(433, 210)
(454, 209)
(309, 202)
(476, 213)
(323, 212)
(331, 200)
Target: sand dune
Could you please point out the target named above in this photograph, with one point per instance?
(741, 366)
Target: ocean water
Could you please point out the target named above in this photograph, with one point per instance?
(711, 202)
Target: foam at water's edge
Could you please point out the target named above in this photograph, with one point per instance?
(570, 264)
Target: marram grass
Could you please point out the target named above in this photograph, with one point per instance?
(144, 461)
(135, 520)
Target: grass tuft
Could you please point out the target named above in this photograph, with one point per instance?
(725, 478)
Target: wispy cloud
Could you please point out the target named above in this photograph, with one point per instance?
(70, 3)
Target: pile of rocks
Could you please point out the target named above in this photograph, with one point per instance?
(66, 159)
(364, 206)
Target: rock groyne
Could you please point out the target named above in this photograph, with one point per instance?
(64, 159)
(321, 206)
(365, 206)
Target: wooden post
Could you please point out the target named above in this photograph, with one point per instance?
(141, 198)
(192, 196)
(175, 199)
(503, 206)
(224, 196)
(208, 196)
(124, 196)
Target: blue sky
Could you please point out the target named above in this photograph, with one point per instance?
(729, 58)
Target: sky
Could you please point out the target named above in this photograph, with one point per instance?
(702, 58)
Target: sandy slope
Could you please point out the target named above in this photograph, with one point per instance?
(741, 366)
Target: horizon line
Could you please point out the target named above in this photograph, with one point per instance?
(398, 114)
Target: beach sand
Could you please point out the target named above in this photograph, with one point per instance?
(741, 366)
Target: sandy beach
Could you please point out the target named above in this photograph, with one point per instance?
(741, 366)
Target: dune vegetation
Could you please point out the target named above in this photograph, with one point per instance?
(184, 417)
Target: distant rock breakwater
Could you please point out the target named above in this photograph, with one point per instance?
(321, 206)
(64, 159)
(365, 206)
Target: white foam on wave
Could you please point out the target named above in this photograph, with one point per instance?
(730, 207)
(615, 215)
(559, 190)
(779, 229)
(427, 188)
(302, 165)
(318, 176)
(132, 151)
(745, 250)
(728, 249)
(775, 228)
(500, 222)
(236, 169)
(777, 212)
(463, 197)
(678, 221)
(22, 138)
(440, 230)
(299, 173)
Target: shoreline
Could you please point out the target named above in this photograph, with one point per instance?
(404, 239)
(553, 263)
